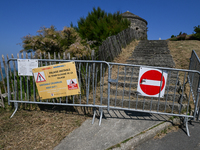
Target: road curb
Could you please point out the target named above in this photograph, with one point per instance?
(148, 134)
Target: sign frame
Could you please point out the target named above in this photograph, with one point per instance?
(149, 82)
(51, 81)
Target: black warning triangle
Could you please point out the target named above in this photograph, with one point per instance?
(72, 82)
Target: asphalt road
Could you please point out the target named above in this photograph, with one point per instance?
(177, 140)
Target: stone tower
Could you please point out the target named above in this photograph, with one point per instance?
(137, 23)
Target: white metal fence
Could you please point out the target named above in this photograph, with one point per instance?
(106, 85)
(194, 78)
(92, 83)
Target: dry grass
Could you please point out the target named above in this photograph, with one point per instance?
(37, 129)
(181, 52)
(166, 131)
(126, 52)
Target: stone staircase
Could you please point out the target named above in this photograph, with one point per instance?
(152, 53)
(123, 93)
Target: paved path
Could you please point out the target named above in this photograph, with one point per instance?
(116, 127)
(175, 140)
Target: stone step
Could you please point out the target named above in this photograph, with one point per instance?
(151, 45)
(135, 79)
(148, 61)
(153, 63)
(149, 53)
(156, 64)
(150, 105)
(133, 94)
(171, 88)
(152, 56)
(148, 46)
(163, 60)
(154, 41)
(153, 48)
(173, 74)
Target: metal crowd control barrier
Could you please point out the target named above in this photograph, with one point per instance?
(114, 86)
(91, 77)
(192, 78)
(177, 99)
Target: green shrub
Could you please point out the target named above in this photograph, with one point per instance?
(190, 37)
(184, 36)
(181, 36)
(52, 40)
(197, 34)
(98, 25)
(173, 36)
(173, 39)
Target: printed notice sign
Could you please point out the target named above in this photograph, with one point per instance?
(25, 66)
(56, 80)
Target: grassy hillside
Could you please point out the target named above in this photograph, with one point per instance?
(181, 52)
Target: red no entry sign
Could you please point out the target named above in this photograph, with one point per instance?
(151, 82)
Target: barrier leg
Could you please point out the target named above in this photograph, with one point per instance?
(94, 114)
(198, 115)
(186, 125)
(16, 107)
(101, 114)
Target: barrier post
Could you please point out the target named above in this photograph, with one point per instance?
(8, 85)
(198, 115)
(197, 99)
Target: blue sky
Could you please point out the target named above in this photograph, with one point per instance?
(22, 17)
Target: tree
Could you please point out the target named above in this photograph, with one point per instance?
(197, 34)
(50, 40)
(99, 25)
(173, 36)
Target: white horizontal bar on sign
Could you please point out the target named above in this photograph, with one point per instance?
(150, 82)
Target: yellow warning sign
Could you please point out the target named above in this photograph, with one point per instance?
(56, 80)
